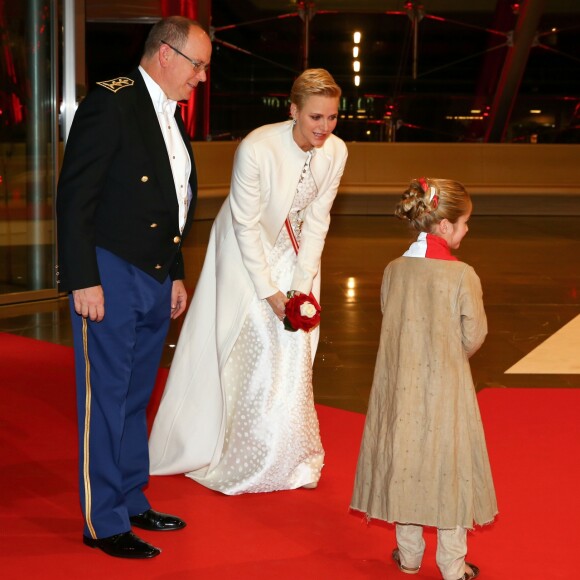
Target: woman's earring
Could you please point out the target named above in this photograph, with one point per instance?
(293, 121)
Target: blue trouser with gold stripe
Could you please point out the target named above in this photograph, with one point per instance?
(116, 363)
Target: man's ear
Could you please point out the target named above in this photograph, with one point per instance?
(164, 51)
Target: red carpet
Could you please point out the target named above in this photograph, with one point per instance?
(534, 443)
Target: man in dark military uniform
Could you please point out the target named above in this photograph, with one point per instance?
(125, 202)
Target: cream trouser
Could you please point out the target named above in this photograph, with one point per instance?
(451, 549)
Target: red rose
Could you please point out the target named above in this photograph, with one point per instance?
(302, 312)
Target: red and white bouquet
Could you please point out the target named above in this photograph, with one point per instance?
(302, 312)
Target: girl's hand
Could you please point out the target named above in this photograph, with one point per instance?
(278, 304)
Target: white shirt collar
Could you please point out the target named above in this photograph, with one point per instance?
(158, 97)
(418, 249)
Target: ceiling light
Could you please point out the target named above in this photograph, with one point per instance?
(356, 66)
(357, 37)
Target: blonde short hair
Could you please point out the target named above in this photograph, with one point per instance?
(423, 211)
(313, 82)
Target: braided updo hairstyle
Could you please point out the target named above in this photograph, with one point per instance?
(423, 210)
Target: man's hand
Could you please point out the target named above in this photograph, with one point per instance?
(178, 298)
(90, 303)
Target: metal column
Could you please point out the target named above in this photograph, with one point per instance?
(513, 70)
(306, 12)
(38, 137)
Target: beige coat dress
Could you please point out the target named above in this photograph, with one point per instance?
(423, 458)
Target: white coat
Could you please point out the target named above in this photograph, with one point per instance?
(188, 429)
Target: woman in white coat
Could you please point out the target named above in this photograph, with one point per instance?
(238, 412)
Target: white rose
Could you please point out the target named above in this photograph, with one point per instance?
(307, 310)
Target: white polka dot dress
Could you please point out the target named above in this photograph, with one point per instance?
(272, 439)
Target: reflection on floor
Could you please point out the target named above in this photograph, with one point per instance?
(529, 268)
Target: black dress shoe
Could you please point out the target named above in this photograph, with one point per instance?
(125, 545)
(157, 522)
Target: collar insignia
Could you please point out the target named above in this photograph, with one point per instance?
(117, 84)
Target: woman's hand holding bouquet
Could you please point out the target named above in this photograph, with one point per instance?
(302, 312)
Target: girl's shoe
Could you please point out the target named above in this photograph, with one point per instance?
(474, 572)
(397, 559)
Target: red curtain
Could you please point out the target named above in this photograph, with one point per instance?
(11, 106)
(187, 8)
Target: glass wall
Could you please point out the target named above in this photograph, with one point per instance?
(411, 71)
(420, 71)
(28, 141)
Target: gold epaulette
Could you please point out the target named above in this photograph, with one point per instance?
(117, 84)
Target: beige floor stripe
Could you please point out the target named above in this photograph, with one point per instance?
(559, 354)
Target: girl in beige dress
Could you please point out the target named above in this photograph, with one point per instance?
(423, 459)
